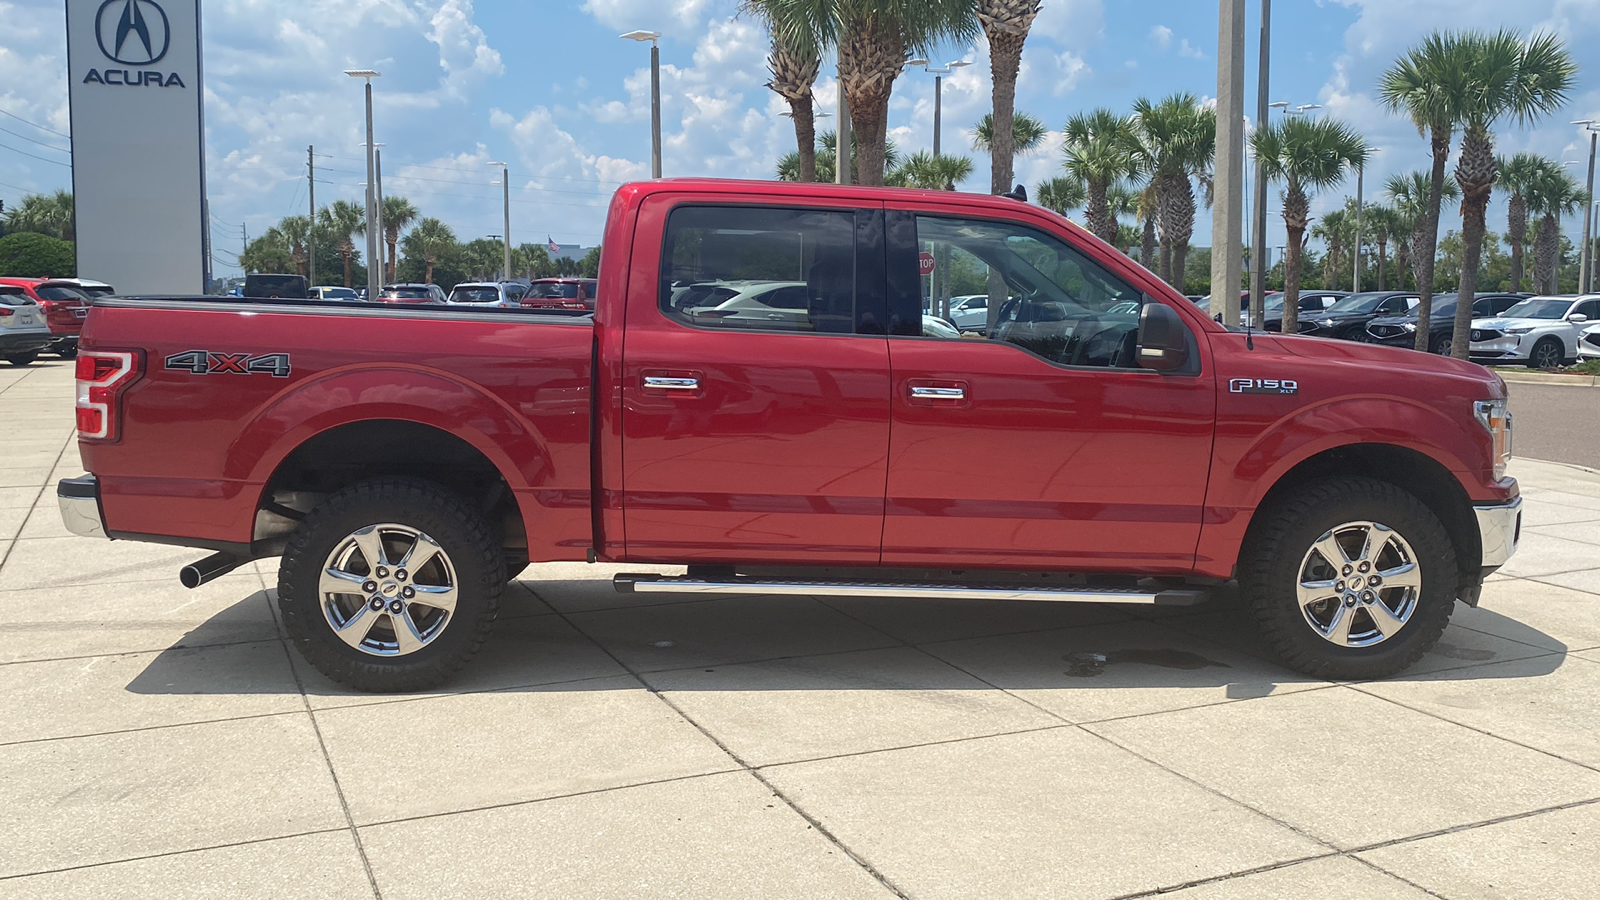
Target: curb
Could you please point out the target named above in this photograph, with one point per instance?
(1525, 377)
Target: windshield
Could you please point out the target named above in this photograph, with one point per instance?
(407, 293)
(59, 292)
(474, 295)
(1539, 308)
(1355, 304)
(337, 293)
(553, 290)
(97, 290)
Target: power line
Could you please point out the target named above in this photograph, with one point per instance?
(35, 125)
(39, 158)
(31, 140)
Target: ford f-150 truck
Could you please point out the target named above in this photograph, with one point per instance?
(1105, 442)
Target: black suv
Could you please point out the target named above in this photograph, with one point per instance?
(1401, 331)
(1312, 305)
(1348, 318)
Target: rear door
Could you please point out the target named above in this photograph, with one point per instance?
(748, 433)
(1044, 446)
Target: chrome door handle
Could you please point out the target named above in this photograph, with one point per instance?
(938, 393)
(671, 384)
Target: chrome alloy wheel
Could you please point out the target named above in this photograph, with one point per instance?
(1359, 584)
(388, 590)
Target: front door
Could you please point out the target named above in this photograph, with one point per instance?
(1043, 445)
(755, 385)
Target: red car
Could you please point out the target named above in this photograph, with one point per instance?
(561, 293)
(65, 307)
(1106, 441)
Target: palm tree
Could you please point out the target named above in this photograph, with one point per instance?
(1061, 194)
(794, 61)
(1409, 192)
(1427, 85)
(1005, 24)
(268, 253)
(1027, 134)
(1180, 137)
(874, 39)
(295, 231)
(51, 214)
(1304, 154)
(1551, 194)
(398, 214)
(827, 159)
(1506, 77)
(1122, 200)
(1100, 154)
(430, 241)
(1335, 230)
(1383, 223)
(929, 172)
(1518, 174)
(343, 220)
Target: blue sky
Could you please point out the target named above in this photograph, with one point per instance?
(548, 86)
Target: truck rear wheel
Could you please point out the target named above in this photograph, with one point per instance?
(391, 585)
(1349, 578)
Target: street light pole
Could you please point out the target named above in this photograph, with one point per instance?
(377, 210)
(1585, 276)
(505, 181)
(1355, 276)
(374, 285)
(1258, 232)
(843, 168)
(655, 96)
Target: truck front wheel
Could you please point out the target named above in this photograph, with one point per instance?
(391, 585)
(1349, 578)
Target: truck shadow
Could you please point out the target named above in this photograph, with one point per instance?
(801, 644)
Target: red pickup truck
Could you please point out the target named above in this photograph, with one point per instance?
(755, 397)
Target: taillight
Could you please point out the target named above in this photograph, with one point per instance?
(102, 377)
(4, 311)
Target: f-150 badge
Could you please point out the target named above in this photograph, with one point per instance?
(1263, 386)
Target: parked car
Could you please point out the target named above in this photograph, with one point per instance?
(1311, 305)
(23, 330)
(90, 287)
(1110, 444)
(1347, 318)
(1401, 331)
(1540, 332)
(933, 326)
(561, 293)
(743, 303)
(333, 292)
(65, 309)
(412, 295)
(488, 294)
(275, 286)
(970, 312)
(1589, 342)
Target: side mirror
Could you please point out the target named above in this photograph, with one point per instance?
(1163, 338)
(1577, 318)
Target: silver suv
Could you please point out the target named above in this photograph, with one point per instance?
(488, 294)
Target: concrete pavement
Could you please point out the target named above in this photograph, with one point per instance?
(159, 742)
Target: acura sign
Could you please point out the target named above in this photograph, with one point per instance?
(138, 165)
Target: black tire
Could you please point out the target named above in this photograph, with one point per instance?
(1277, 550)
(1443, 344)
(22, 359)
(1546, 354)
(470, 553)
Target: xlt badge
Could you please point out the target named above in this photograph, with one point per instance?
(1263, 386)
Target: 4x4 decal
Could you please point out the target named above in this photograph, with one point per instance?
(212, 362)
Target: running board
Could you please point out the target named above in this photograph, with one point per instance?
(662, 584)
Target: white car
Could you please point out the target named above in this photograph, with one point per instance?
(1539, 332)
(1589, 342)
(970, 312)
(89, 286)
(23, 332)
(933, 326)
(781, 304)
(488, 294)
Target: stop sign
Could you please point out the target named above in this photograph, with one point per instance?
(925, 263)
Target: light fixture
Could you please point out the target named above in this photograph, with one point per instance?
(651, 36)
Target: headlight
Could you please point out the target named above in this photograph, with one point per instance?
(1492, 415)
(1520, 329)
(1407, 326)
(1324, 323)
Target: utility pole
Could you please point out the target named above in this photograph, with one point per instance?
(311, 233)
(383, 245)
(244, 238)
(1585, 276)
(1258, 233)
(841, 154)
(1226, 220)
(1355, 277)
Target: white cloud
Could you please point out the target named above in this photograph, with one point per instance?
(682, 17)
(1161, 36)
(1074, 24)
(1186, 49)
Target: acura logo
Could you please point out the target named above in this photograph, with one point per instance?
(132, 32)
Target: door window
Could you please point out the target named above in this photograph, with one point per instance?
(760, 269)
(1052, 300)
(1590, 308)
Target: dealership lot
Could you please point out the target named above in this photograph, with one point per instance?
(159, 741)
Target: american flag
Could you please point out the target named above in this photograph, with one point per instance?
(551, 245)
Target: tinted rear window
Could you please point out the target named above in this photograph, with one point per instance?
(553, 290)
(59, 292)
(408, 293)
(15, 296)
(292, 286)
(474, 295)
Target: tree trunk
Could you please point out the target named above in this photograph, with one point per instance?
(1545, 251)
(1296, 210)
(1516, 233)
(1004, 61)
(1425, 246)
(1098, 214)
(871, 54)
(1183, 218)
(428, 277)
(805, 136)
(1147, 242)
(1383, 254)
(1475, 173)
(345, 254)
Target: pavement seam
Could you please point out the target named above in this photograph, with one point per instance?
(32, 507)
(1396, 876)
(814, 822)
(338, 788)
(183, 852)
(156, 650)
(164, 727)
